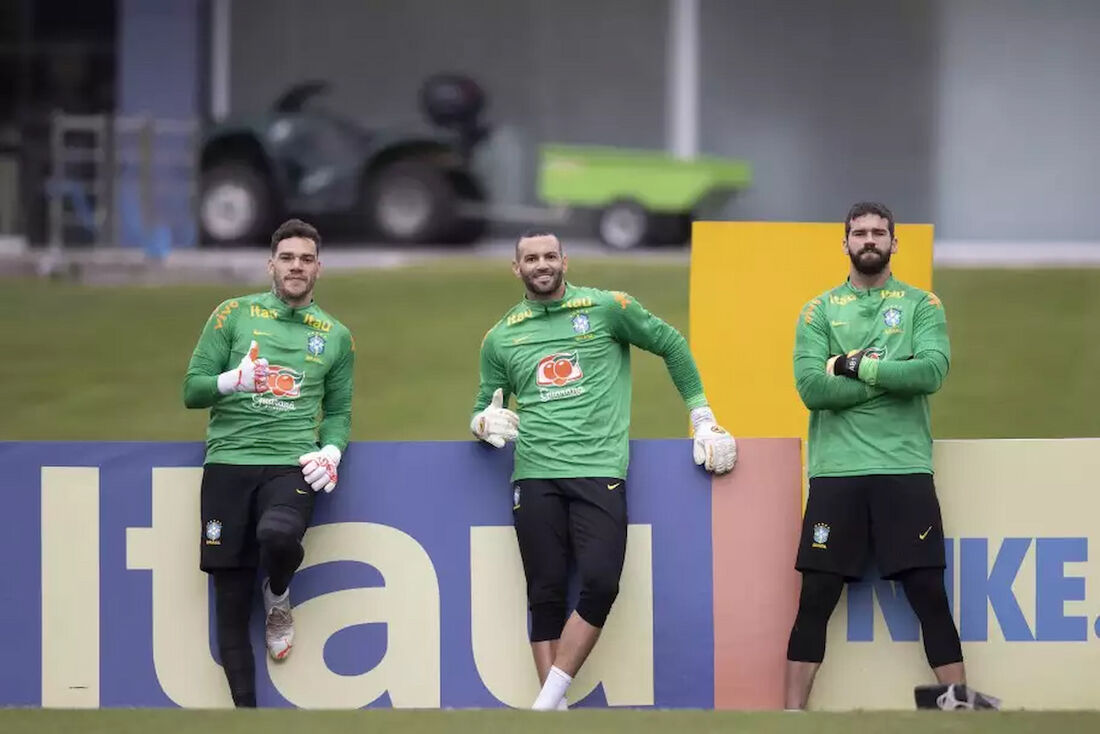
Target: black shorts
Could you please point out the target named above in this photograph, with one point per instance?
(563, 520)
(233, 499)
(895, 516)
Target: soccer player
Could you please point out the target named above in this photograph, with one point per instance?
(564, 352)
(867, 355)
(276, 373)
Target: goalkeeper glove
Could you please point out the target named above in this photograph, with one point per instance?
(249, 376)
(952, 697)
(319, 468)
(496, 424)
(713, 447)
(846, 365)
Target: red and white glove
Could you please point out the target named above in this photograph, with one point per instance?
(249, 376)
(713, 447)
(319, 468)
(496, 424)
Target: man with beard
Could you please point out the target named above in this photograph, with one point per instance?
(564, 352)
(276, 373)
(867, 355)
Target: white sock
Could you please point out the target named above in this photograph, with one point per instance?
(557, 683)
(563, 705)
(270, 599)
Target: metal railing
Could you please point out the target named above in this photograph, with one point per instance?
(121, 180)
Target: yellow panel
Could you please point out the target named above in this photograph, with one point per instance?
(748, 282)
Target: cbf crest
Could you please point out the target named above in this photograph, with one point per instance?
(214, 532)
(821, 534)
(892, 317)
(315, 345)
(581, 324)
(515, 497)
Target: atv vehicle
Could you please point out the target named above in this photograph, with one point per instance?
(303, 160)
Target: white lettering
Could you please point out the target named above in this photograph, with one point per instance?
(70, 587)
(181, 630)
(568, 392)
(408, 605)
(273, 403)
(623, 659)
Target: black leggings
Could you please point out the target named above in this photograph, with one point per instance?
(923, 587)
(233, 595)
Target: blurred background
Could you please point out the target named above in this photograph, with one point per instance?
(158, 143)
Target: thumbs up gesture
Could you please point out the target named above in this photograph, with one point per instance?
(249, 376)
(496, 424)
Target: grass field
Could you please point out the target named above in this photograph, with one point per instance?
(90, 363)
(526, 722)
(106, 364)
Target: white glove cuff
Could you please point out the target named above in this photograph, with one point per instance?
(701, 415)
(332, 452)
(227, 381)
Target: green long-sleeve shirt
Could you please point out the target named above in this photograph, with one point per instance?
(880, 423)
(568, 364)
(307, 402)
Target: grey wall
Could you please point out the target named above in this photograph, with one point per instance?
(1018, 131)
(980, 115)
(568, 70)
(833, 102)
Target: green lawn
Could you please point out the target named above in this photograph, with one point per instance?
(527, 722)
(90, 363)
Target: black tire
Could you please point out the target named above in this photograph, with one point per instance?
(671, 229)
(411, 201)
(235, 205)
(624, 225)
(470, 226)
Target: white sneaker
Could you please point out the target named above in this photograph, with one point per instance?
(279, 624)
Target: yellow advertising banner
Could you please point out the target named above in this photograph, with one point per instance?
(749, 280)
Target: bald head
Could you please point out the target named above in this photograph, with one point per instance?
(540, 263)
(537, 239)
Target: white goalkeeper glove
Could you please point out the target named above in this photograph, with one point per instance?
(496, 424)
(249, 376)
(714, 447)
(319, 468)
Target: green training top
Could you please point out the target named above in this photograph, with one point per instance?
(568, 364)
(311, 358)
(880, 423)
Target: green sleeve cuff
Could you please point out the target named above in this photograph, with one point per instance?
(698, 401)
(868, 371)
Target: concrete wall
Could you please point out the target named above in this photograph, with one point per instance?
(976, 114)
(1017, 152)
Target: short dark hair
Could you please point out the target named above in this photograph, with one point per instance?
(863, 208)
(295, 228)
(535, 232)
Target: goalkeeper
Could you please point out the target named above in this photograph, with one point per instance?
(564, 352)
(276, 373)
(867, 355)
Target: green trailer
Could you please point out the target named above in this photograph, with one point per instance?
(639, 196)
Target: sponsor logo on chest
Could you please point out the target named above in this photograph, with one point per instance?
(556, 376)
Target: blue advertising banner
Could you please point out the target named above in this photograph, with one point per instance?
(411, 593)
